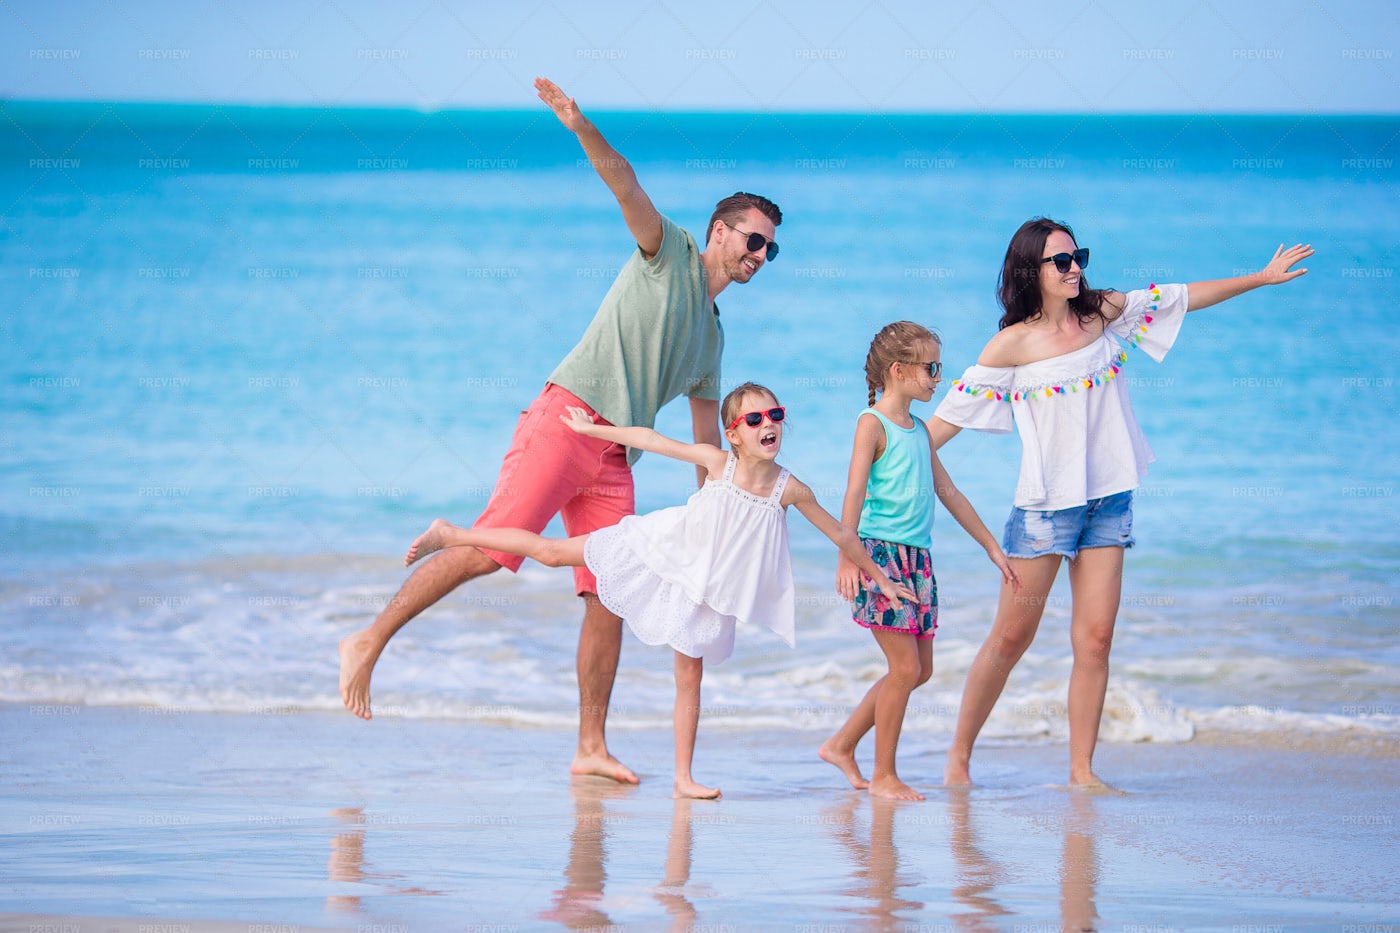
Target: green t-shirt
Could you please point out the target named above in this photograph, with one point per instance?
(656, 337)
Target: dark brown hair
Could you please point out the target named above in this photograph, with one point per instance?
(733, 208)
(1018, 285)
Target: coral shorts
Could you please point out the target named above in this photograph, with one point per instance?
(551, 470)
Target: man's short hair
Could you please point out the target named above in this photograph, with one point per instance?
(732, 209)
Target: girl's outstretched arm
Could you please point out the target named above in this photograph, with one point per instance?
(1279, 269)
(707, 456)
(799, 494)
(957, 505)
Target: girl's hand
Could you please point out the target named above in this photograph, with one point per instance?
(847, 578)
(578, 419)
(1008, 572)
(1279, 268)
(897, 593)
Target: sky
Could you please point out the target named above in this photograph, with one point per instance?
(1017, 56)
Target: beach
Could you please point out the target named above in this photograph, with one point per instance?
(258, 350)
(289, 821)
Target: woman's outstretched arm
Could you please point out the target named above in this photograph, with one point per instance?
(1278, 270)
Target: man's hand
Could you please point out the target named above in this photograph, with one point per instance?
(564, 106)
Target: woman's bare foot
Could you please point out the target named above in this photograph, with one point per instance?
(692, 790)
(845, 762)
(893, 788)
(357, 657)
(955, 773)
(1095, 785)
(428, 542)
(603, 765)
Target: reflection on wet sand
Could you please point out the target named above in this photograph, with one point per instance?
(578, 905)
(347, 863)
(1079, 866)
(978, 874)
(676, 876)
(878, 877)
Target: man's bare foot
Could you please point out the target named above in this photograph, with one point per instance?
(603, 765)
(428, 542)
(357, 657)
(695, 791)
(893, 788)
(845, 762)
(955, 774)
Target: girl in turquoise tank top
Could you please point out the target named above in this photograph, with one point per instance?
(893, 478)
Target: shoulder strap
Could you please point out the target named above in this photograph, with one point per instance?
(729, 465)
(776, 497)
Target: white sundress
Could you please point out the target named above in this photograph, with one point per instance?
(684, 576)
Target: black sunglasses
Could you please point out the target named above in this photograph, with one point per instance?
(756, 241)
(933, 368)
(754, 418)
(1062, 260)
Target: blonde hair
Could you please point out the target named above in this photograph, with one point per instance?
(729, 408)
(895, 343)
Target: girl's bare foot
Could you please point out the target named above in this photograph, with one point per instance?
(428, 542)
(695, 791)
(893, 788)
(845, 762)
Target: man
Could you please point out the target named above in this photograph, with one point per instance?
(655, 337)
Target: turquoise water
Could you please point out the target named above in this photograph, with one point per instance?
(249, 354)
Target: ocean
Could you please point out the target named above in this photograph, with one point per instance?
(250, 353)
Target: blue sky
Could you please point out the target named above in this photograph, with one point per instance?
(1220, 56)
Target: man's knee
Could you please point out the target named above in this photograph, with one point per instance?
(467, 563)
(595, 613)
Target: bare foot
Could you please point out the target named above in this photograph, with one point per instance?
(603, 765)
(955, 774)
(357, 657)
(893, 788)
(695, 791)
(845, 762)
(1095, 785)
(428, 542)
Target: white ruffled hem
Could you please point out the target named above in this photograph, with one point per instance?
(658, 611)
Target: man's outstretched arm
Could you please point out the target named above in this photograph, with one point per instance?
(638, 212)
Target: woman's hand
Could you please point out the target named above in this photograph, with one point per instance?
(1279, 269)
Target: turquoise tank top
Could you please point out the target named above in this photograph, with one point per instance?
(899, 496)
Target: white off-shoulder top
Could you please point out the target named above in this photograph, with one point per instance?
(1079, 438)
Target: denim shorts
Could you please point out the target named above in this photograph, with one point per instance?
(1106, 522)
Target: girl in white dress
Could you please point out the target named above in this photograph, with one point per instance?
(1052, 373)
(684, 576)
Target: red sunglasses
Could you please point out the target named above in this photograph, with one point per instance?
(754, 418)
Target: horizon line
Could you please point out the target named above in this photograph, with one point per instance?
(688, 111)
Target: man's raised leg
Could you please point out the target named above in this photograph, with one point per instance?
(439, 575)
(599, 645)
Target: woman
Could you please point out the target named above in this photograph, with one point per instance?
(1053, 371)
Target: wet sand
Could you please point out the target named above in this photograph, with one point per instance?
(157, 822)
